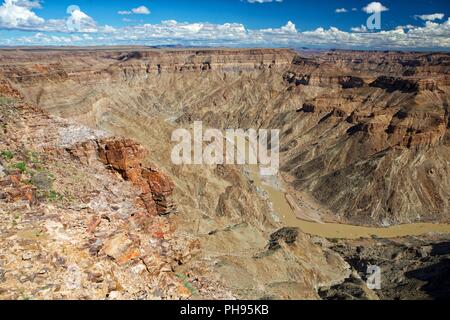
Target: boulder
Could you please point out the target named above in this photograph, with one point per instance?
(159, 183)
(117, 246)
(288, 235)
(123, 155)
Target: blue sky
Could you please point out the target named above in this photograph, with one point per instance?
(413, 24)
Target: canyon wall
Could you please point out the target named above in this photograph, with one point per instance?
(229, 221)
(364, 133)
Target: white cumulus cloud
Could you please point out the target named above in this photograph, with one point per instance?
(18, 14)
(289, 27)
(374, 7)
(430, 17)
(79, 21)
(362, 28)
(341, 10)
(138, 10)
(141, 10)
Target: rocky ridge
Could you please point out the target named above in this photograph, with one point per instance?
(74, 225)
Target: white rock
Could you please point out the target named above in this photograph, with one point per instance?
(116, 246)
(73, 277)
(139, 268)
(27, 256)
(115, 295)
(74, 133)
(2, 172)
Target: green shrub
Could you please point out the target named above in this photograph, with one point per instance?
(7, 155)
(186, 283)
(5, 100)
(21, 166)
(33, 157)
(54, 196)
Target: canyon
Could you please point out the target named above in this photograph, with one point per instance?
(364, 142)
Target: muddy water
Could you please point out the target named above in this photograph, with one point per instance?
(335, 230)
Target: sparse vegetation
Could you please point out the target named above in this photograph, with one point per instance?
(21, 166)
(43, 181)
(186, 283)
(54, 196)
(7, 155)
(32, 157)
(5, 100)
(37, 175)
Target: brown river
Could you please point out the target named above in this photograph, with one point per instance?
(335, 230)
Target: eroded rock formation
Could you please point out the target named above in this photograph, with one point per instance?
(365, 134)
(362, 123)
(109, 221)
(125, 157)
(73, 228)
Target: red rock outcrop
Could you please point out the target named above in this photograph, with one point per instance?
(125, 157)
(13, 188)
(6, 90)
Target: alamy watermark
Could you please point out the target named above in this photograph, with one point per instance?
(374, 9)
(374, 21)
(231, 146)
(73, 23)
(373, 277)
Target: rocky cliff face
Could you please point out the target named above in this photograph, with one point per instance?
(367, 137)
(72, 229)
(411, 269)
(185, 231)
(117, 65)
(125, 157)
(375, 130)
(371, 125)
